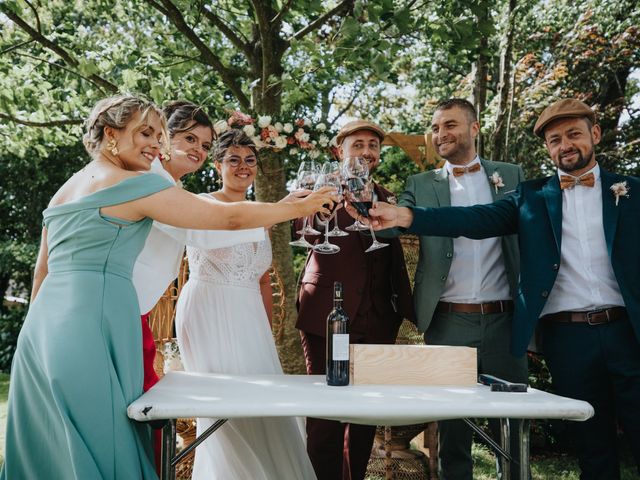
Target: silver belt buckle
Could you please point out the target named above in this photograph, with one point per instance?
(593, 312)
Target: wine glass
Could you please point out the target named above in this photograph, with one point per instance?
(355, 167)
(305, 179)
(360, 194)
(334, 168)
(328, 180)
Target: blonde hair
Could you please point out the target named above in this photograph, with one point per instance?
(116, 112)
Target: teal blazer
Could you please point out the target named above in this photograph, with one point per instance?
(431, 189)
(534, 212)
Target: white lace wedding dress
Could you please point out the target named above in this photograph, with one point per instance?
(222, 327)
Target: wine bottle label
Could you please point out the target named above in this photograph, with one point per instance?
(340, 346)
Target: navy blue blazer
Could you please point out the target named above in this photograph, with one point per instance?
(534, 212)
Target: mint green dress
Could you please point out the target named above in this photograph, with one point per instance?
(78, 363)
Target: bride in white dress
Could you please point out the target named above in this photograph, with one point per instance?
(222, 327)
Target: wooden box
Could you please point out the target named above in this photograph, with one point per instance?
(433, 365)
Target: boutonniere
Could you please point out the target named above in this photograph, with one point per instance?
(620, 189)
(496, 181)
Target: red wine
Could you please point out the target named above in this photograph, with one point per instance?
(362, 207)
(337, 341)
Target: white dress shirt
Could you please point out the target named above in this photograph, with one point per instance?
(159, 261)
(477, 272)
(585, 279)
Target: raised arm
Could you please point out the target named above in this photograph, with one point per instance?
(476, 222)
(407, 199)
(176, 207)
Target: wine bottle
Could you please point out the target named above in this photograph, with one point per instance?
(337, 341)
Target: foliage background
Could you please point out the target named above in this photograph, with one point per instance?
(386, 60)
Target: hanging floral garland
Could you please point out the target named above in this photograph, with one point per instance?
(298, 137)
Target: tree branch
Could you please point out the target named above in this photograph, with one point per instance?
(229, 76)
(51, 123)
(35, 12)
(54, 47)
(350, 102)
(17, 45)
(239, 42)
(318, 22)
(275, 21)
(57, 65)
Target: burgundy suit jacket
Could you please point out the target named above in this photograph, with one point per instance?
(353, 266)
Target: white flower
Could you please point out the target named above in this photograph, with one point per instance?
(250, 130)
(313, 154)
(620, 189)
(288, 128)
(496, 180)
(293, 151)
(257, 141)
(307, 122)
(323, 140)
(281, 142)
(220, 127)
(264, 121)
(278, 126)
(321, 127)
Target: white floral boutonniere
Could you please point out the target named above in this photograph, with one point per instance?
(496, 181)
(620, 189)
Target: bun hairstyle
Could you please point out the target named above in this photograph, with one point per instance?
(116, 112)
(183, 116)
(233, 137)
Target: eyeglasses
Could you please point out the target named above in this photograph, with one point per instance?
(249, 161)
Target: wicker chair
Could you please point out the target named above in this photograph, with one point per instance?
(392, 457)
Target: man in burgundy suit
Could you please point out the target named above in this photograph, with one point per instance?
(377, 296)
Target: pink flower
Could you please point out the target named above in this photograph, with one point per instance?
(620, 189)
(496, 180)
(238, 118)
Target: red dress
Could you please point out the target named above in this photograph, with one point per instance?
(150, 376)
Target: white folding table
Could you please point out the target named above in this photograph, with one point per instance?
(221, 396)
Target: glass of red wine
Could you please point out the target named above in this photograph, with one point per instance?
(328, 180)
(355, 167)
(360, 195)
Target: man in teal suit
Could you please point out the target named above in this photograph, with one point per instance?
(464, 288)
(579, 232)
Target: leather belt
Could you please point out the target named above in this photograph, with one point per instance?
(593, 317)
(500, 306)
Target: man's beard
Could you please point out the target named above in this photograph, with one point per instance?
(581, 162)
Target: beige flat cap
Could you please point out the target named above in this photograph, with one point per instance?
(568, 107)
(354, 126)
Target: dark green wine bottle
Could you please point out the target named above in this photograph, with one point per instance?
(337, 341)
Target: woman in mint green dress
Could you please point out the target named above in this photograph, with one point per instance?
(78, 363)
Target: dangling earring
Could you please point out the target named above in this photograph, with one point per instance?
(165, 155)
(219, 181)
(112, 145)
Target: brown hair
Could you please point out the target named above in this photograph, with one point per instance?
(183, 116)
(233, 137)
(116, 112)
(461, 103)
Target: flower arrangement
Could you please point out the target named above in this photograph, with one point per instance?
(620, 189)
(171, 355)
(296, 137)
(496, 181)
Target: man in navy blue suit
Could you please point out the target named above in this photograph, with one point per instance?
(579, 237)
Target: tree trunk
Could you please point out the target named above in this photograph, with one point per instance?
(499, 136)
(480, 70)
(270, 186)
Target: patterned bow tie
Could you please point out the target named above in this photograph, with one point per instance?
(459, 171)
(567, 181)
